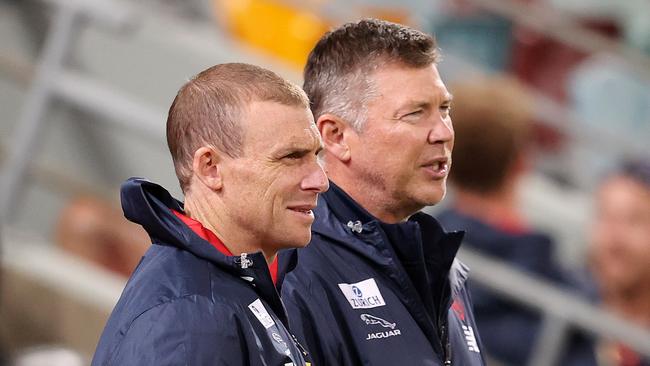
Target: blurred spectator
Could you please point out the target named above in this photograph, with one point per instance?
(620, 252)
(492, 122)
(96, 231)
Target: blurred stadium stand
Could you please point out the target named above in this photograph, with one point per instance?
(84, 87)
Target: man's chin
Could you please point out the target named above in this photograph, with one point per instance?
(297, 241)
(432, 198)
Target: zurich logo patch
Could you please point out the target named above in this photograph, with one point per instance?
(362, 295)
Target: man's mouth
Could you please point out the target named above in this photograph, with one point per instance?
(306, 210)
(438, 168)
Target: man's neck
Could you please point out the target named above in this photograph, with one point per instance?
(376, 202)
(213, 217)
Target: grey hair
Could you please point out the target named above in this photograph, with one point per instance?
(348, 97)
(338, 74)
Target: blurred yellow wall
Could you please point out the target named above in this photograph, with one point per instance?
(283, 30)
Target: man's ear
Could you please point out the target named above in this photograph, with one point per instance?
(336, 136)
(206, 167)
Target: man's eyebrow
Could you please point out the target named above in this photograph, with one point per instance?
(298, 149)
(416, 104)
(448, 98)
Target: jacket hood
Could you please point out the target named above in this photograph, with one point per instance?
(150, 205)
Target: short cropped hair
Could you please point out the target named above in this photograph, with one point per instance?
(337, 77)
(208, 110)
(492, 120)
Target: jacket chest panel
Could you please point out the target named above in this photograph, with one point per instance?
(382, 329)
(263, 330)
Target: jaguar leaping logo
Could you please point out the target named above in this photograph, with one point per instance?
(371, 319)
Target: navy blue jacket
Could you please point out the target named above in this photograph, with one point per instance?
(356, 299)
(513, 329)
(189, 304)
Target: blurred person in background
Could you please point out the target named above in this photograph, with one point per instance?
(91, 228)
(377, 282)
(492, 120)
(620, 252)
(205, 292)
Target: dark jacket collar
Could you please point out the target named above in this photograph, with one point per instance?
(344, 207)
(337, 214)
(150, 205)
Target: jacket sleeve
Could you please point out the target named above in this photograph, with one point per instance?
(189, 331)
(309, 320)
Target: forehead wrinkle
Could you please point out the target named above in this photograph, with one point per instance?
(315, 134)
(296, 142)
(316, 141)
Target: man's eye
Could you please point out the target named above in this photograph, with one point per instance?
(446, 109)
(413, 114)
(294, 155)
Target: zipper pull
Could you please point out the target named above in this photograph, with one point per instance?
(356, 226)
(300, 347)
(243, 261)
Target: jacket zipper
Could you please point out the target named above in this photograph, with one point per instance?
(299, 346)
(446, 345)
(444, 331)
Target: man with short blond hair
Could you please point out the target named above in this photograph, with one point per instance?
(205, 293)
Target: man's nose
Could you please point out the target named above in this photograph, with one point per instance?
(316, 180)
(442, 132)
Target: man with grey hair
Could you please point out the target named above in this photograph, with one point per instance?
(379, 283)
(206, 292)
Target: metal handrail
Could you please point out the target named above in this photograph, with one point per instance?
(37, 101)
(59, 270)
(563, 306)
(47, 79)
(117, 15)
